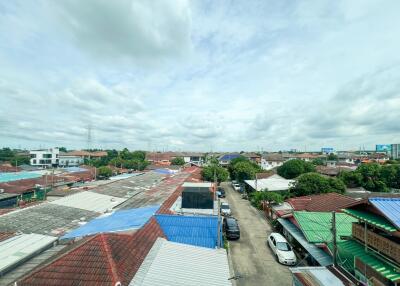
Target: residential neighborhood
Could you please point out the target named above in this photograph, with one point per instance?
(199, 143)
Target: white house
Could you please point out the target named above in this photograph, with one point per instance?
(272, 184)
(70, 160)
(44, 158)
(271, 161)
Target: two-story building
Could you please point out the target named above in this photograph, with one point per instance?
(372, 253)
(45, 157)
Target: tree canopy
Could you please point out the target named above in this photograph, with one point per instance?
(293, 168)
(208, 173)
(124, 159)
(179, 161)
(314, 183)
(104, 172)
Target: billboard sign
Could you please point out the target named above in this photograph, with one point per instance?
(327, 150)
(383, 148)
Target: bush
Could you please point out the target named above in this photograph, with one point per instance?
(179, 161)
(104, 172)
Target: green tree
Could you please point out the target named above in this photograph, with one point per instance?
(208, 173)
(351, 179)
(371, 177)
(390, 175)
(244, 170)
(20, 160)
(104, 172)
(179, 161)
(257, 198)
(63, 149)
(318, 162)
(293, 168)
(314, 183)
(332, 157)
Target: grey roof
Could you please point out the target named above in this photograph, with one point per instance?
(45, 218)
(21, 247)
(90, 201)
(319, 275)
(23, 269)
(171, 263)
(323, 258)
(4, 196)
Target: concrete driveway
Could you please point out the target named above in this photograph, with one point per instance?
(251, 257)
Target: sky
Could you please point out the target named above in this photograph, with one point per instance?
(200, 75)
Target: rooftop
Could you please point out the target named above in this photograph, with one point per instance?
(321, 203)
(105, 259)
(272, 183)
(170, 263)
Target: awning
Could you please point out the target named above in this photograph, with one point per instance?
(323, 258)
(371, 218)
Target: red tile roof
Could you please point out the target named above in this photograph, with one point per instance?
(6, 235)
(321, 203)
(105, 259)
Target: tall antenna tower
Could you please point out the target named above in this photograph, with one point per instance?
(89, 136)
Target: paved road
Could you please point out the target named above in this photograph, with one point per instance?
(251, 256)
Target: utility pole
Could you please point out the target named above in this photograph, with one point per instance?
(334, 238)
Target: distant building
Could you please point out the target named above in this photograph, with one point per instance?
(45, 158)
(395, 151)
(327, 150)
(271, 161)
(225, 159)
(194, 158)
(70, 160)
(252, 157)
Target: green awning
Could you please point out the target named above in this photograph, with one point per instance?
(317, 226)
(371, 218)
(347, 252)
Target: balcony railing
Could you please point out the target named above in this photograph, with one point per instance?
(378, 242)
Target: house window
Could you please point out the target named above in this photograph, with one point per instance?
(34, 161)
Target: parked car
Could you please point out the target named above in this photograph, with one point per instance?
(225, 209)
(231, 228)
(236, 187)
(221, 192)
(281, 249)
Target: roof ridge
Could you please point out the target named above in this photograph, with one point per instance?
(108, 251)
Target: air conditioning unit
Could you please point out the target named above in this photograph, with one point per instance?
(1, 191)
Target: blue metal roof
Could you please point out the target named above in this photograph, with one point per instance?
(228, 157)
(164, 171)
(323, 258)
(193, 230)
(121, 220)
(389, 207)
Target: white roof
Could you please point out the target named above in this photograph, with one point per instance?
(18, 248)
(171, 263)
(90, 201)
(319, 275)
(273, 183)
(197, 185)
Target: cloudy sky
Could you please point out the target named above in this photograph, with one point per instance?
(200, 75)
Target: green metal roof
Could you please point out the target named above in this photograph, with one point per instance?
(371, 218)
(347, 252)
(316, 226)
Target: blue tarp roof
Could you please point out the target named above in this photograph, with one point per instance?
(390, 208)
(164, 171)
(118, 221)
(193, 230)
(228, 157)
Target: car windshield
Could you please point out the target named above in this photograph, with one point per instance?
(283, 246)
(225, 207)
(231, 223)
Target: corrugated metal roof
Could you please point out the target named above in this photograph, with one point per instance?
(194, 230)
(390, 208)
(121, 220)
(273, 183)
(20, 247)
(90, 201)
(170, 263)
(323, 258)
(318, 276)
(316, 226)
(371, 218)
(348, 250)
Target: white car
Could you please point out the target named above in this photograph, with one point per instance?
(225, 209)
(281, 249)
(236, 187)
